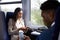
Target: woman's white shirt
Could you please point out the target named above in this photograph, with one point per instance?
(20, 23)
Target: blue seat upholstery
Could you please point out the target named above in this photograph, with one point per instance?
(8, 16)
(3, 32)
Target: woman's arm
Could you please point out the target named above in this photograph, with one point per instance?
(10, 28)
(14, 31)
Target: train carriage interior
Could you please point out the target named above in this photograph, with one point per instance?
(31, 15)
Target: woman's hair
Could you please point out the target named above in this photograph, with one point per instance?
(16, 13)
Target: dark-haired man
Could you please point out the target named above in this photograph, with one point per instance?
(48, 13)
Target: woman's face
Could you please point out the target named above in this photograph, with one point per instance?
(20, 14)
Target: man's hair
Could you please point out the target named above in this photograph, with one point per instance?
(49, 5)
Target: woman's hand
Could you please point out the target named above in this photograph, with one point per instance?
(23, 28)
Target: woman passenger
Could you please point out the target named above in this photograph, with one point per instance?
(16, 24)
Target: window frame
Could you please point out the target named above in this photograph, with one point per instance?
(15, 2)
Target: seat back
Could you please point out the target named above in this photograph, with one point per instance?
(8, 16)
(3, 32)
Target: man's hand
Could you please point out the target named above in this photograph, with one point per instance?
(27, 38)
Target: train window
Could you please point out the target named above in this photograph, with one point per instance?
(9, 5)
(59, 0)
(36, 12)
